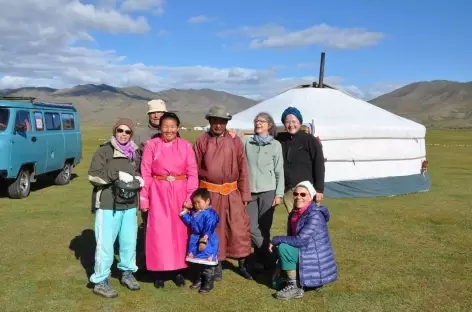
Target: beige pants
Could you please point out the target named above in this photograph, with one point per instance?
(288, 200)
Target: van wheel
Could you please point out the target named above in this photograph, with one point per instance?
(20, 188)
(63, 177)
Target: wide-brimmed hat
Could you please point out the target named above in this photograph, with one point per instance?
(156, 106)
(218, 111)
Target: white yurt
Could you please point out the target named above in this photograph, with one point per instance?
(368, 151)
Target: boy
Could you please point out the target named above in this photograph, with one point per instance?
(203, 242)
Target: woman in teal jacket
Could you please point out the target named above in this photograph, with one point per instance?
(265, 162)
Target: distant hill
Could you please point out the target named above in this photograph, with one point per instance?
(436, 103)
(104, 104)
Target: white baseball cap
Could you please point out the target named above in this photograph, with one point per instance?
(156, 106)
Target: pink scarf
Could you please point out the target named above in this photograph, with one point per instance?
(297, 213)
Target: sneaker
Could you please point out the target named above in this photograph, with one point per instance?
(104, 289)
(128, 280)
(290, 292)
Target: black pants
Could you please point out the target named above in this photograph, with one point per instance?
(202, 271)
(261, 213)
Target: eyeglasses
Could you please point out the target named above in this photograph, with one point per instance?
(119, 130)
(260, 121)
(295, 194)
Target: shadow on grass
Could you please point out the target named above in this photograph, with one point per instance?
(84, 246)
(42, 182)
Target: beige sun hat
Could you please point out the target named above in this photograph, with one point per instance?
(156, 106)
(218, 111)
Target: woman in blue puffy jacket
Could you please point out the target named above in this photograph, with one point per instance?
(307, 245)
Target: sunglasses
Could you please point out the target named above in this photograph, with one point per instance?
(295, 194)
(119, 130)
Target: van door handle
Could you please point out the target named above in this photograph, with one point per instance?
(33, 139)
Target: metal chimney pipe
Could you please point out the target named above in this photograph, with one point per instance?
(320, 83)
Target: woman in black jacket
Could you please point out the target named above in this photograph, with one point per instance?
(303, 157)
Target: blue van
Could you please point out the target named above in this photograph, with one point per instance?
(37, 138)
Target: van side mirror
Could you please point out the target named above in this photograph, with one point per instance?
(20, 127)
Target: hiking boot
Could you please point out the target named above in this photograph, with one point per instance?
(218, 272)
(290, 291)
(179, 280)
(208, 280)
(128, 280)
(243, 270)
(104, 289)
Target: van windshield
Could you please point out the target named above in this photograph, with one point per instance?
(4, 116)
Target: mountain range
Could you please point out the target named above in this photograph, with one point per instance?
(104, 104)
(439, 103)
(435, 103)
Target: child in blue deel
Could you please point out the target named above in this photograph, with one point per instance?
(203, 242)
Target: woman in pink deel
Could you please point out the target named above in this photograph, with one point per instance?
(169, 171)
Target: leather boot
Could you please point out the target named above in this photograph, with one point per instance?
(219, 272)
(196, 276)
(208, 279)
(243, 269)
(179, 279)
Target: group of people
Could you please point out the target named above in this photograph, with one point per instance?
(204, 203)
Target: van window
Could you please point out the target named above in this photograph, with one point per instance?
(23, 118)
(38, 121)
(68, 122)
(53, 121)
(4, 116)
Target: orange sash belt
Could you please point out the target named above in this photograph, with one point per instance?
(223, 189)
(171, 178)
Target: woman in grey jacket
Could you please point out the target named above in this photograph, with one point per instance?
(265, 163)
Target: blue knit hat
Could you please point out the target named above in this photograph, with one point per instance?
(292, 111)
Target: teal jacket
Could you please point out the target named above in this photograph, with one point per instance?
(266, 166)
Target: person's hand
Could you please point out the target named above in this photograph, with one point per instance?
(201, 247)
(125, 177)
(232, 133)
(183, 212)
(144, 209)
(187, 205)
(245, 203)
(270, 247)
(276, 201)
(141, 181)
(318, 198)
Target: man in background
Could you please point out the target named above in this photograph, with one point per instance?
(156, 109)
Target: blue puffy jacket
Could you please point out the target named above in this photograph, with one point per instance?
(317, 265)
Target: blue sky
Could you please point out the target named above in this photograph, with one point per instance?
(245, 47)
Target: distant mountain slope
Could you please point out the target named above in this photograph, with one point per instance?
(436, 103)
(104, 104)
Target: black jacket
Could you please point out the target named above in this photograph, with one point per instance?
(303, 159)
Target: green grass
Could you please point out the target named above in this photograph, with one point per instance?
(405, 253)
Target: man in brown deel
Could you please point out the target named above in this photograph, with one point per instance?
(222, 169)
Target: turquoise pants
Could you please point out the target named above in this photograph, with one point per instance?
(288, 257)
(109, 225)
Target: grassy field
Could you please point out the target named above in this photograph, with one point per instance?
(406, 253)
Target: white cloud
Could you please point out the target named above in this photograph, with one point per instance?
(154, 6)
(200, 19)
(41, 46)
(275, 36)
